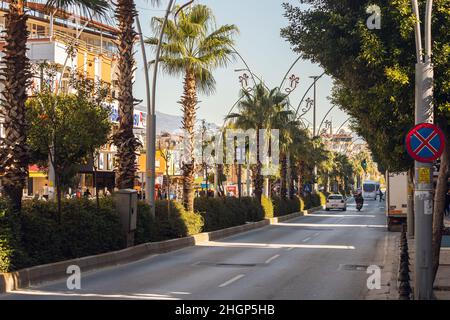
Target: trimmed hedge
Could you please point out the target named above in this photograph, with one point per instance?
(220, 213)
(313, 200)
(84, 230)
(267, 207)
(166, 225)
(287, 206)
(6, 235)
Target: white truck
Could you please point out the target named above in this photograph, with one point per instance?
(396, 199)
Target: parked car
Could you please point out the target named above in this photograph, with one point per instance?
(336, 201)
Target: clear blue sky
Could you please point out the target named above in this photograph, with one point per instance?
(259, 42)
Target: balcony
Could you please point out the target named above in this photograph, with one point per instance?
(54, 48)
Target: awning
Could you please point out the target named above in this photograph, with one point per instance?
(37, 175)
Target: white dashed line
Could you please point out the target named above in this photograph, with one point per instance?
(272, 258)
(289, 249)
(226, 283)
(306, 240)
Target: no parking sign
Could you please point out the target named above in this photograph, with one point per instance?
(425, 142)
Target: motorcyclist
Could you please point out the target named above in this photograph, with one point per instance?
(359, 198)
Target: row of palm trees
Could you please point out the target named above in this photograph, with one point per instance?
(265, 109)
(193, 46)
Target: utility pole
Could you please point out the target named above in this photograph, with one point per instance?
(423, 192)
(315, 78)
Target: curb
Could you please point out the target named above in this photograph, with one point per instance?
(55, 271)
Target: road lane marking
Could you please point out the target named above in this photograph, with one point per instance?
(271, 258)
(321, 225)
(226, 283)
(306, 240)
(316, 234)
(341, 215)
(276, 245)
(289, 249)
(58, 294)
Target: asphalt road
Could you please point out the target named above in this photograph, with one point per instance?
(320, 256)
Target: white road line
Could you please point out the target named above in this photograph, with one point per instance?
(316, 234)
(289, 249)
(306, 240)
(226, 283)
(272, 258)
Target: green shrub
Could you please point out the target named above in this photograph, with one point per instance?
(219, 213)
(280, 207)
(6, 250)
(323, 198)
(307, 200)
(166, 225)
(84, 230)
(267, 206)
(252, 209)
(283, 207)
(295, 204)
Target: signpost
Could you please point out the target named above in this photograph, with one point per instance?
(425, 144)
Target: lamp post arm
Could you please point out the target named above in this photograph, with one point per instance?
(415, 8)
(428, 40)
(307, 90)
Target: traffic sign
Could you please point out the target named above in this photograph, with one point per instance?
(425, 142)
(307, 188)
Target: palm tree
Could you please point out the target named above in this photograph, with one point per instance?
(301, 152)
(289, 129)
(15, 77)
(259, 110)
(193, 47)
(124, 139)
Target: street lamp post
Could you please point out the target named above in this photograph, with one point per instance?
(423, 197)
(314, 126)
(151, 125)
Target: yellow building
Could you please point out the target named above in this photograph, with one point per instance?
(72, 43)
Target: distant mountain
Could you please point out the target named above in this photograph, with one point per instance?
(172, 123)
(167, 123)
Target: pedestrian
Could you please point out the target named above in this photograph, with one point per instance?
(87, 194)
(381, 194)
(447, 203)
(45, 194)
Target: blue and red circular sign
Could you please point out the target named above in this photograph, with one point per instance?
(425, 142)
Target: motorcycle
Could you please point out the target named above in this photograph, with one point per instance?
(359, 206)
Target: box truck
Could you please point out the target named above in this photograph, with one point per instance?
(396, 199)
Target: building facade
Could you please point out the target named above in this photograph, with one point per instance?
(72, 44)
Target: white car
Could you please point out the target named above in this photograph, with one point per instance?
(336, 201)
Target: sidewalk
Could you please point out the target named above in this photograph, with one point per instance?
(442, 281)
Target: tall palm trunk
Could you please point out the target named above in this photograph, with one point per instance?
(439, 204)
(299, 178)
(15, 72)
(189, 104)
(283, 179)
(292, 181)
(257, 177)
(124, 139)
